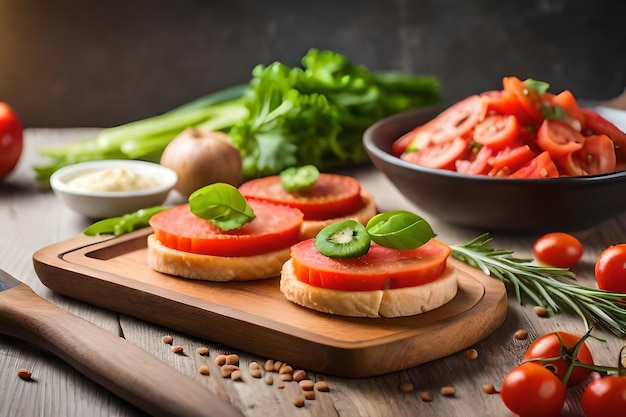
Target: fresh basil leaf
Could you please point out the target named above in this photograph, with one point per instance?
(123, 224)
(538, 87)
(399, 230)
(221, 204)
(299, 178)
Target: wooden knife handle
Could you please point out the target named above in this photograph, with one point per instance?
(119, 366)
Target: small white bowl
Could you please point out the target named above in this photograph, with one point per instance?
(104, 204)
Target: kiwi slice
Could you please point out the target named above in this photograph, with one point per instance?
(345, 239)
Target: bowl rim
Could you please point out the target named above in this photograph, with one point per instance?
(58, 179)
(371, 145)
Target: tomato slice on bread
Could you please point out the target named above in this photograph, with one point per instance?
(275, 227)
(332, 196)
(381, 268)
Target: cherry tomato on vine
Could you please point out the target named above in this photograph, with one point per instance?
(605, 396)
(558, 249)
(610, 269)
(11, 140)
(549, 346)
(532, 390)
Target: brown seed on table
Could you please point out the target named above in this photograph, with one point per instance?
(268, 365)
(24, 374)
(232, 359)
(298, 402)
(309, 395)
(204, 370)
(299, 375)
(447, 391)
(521, 334)
(285, 369)
(177, 349)
(236, 375)
(255, 370)
(220, 360)
(322, 386)
(406, 386)
(490, 389)
(541, 311)
(471, 354)
(203, 351)
(269, 380)
(426, 396)
(277, 366)
(227, 370)
(306, 385)
(167, 339)
(285, 377)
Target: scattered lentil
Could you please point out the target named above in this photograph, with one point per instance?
(299, 375)
(447, 391)
(322, 386)
(490, 389)
(406, 386)
(269, 380)
(24, 374)
(426, 396)
(203, 351)
(236, 375)
(220, 360)
(306, 385)
(285, 369)
(255, 370)
(167, 339)
(541, 311)
(298, 402)
(227, 370)
(269, 365)
(521, 334)
(471, 354)
(204, 370)
(285, 377)
(177, 349)
(232, 359)
(277, 366)
(309, 395)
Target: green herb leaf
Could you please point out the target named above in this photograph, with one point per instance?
(221, 204)
(299, 179)
(123, 224)
(399, 230)
(538, 87)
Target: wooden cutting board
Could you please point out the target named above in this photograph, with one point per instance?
(256, 318)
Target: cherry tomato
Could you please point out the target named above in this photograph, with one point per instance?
(558, 249)
(566, 101)
(597, 156)
(529, 100)
(510, 159)
(549, 346)
(541, 166)
(605, 396)
(11, 140)
(442, 156)
(531, 390)
(478, 164)
(559, 138)
(598, 125)
(505, 102)
(610, 269)
(497, 130)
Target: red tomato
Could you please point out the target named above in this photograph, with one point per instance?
(11, 140)
(605, 396)
(566, 101)
(549, 346)
(478, 164)
(510, 159)
(442, 155)
(379, 269)
(597, 156)
(275, 227)
(558, 249)
(505, 102)
(598, 125)
(559, 138)
(541, 166)
(456, 121)
(332, 195)
(497, 130)
(529, 100)
(531, 390)
(610, 269)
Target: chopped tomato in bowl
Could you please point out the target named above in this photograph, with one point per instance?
(526, 166)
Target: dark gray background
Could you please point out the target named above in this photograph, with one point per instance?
(102, 63)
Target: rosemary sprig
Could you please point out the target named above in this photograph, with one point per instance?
(552, 288)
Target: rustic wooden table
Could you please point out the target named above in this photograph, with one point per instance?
(31, 219)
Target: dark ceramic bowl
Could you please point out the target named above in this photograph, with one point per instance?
(495, 204)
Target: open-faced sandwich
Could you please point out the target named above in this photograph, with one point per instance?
(323, 198)
(394, 267)
(222, 236)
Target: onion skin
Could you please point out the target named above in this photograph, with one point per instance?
(202, 158)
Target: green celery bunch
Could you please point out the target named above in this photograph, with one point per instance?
(310, 115)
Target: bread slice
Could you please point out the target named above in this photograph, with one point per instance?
(214, 268)
(310, 228)
(398, 302)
